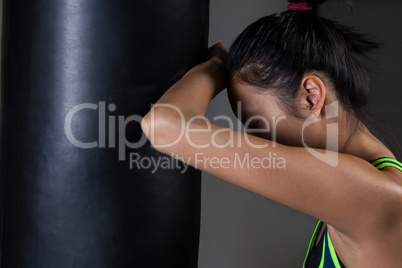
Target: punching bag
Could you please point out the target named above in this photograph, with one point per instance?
(82, 187)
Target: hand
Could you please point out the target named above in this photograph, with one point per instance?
(217, 52)
(213, 68)
(216, 56)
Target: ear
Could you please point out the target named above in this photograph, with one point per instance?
(312, 95)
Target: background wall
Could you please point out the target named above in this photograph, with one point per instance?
(382, 21)
(240, 229)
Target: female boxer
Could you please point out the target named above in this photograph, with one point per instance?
(297, 83)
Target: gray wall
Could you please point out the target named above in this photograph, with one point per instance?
(382, 21)
(240, 229)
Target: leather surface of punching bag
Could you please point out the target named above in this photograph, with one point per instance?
(82, 185)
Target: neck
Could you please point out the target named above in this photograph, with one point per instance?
(365, 145)
(353, 139)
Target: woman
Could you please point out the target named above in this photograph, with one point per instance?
(296, 81)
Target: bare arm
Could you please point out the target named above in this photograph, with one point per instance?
(354, 197)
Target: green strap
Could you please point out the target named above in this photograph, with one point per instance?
(334, 257)
(312, 241)
(387, 162)
(322, 256)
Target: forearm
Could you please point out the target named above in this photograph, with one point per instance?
(186, 100)
(192, 94)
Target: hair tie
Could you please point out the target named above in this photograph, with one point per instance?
(300, 6)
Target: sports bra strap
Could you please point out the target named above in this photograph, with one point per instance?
(387, 162)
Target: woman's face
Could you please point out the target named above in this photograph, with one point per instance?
(262, 115)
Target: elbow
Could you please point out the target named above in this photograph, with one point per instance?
(145, 125)
(161, 125)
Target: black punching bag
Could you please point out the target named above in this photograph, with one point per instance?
(82, 185)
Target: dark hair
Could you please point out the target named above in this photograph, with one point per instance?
(275, 52)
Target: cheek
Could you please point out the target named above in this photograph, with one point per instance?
(289, 131)
(266, 123)
(262, 116)
(283, 128)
